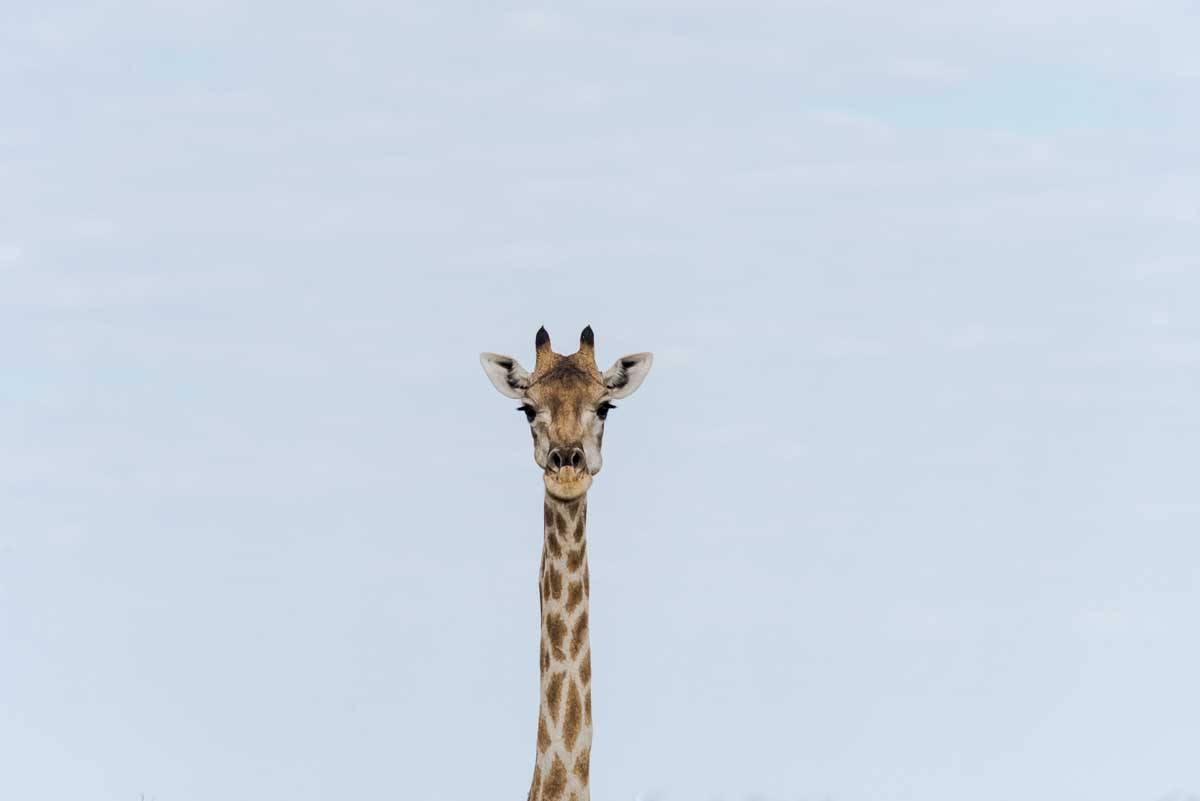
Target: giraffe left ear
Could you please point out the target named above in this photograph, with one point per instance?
(506, 374)
(627, 374)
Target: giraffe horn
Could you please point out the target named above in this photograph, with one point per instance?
(587, 343)
(542, 343)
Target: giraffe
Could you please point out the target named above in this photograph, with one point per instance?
(566, 400)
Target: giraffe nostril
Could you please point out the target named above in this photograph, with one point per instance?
(571, 456)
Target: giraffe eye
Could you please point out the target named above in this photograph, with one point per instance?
(530, 412)
(602, 410)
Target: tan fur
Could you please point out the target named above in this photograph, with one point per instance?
(567, 386)
(566, 397)
(564, 734)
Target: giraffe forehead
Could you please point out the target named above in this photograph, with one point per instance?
(567, 387)
(554, 366)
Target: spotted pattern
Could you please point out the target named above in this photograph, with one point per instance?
(582, 764)
(556, 632)
(572, 717)
(554, 695)
(575, 558)
(564, 732)
(579, 633)
(574, 596)
(556, 781)
(565, 391)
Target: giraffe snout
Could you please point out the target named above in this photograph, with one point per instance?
(566, 456)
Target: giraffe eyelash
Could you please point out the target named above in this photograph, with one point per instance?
(530, 412)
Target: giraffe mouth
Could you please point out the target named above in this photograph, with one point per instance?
(568, 483)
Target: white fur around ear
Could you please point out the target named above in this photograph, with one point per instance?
(506, 373)
(627, 374)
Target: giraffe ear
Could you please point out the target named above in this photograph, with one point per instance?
(506, 373)
(627, 374)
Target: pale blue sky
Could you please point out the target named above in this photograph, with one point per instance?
(906, 510)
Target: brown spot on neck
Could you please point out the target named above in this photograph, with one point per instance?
(575, 558)
(579, 633)
(554, 695)
(535, 789)
(583, 766)
(556, 631)
(573, 715)
(556, 781)
(574, 596)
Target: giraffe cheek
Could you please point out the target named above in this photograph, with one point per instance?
(591, 452)
(541, 449)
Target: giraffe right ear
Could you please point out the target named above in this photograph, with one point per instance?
(506, 373)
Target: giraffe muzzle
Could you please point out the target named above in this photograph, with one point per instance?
(571, 456)
(567, 476)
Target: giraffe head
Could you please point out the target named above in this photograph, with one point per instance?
(566, 400)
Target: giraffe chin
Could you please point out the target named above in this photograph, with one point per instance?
(568, 484)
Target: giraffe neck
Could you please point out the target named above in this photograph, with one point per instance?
(564, 732)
